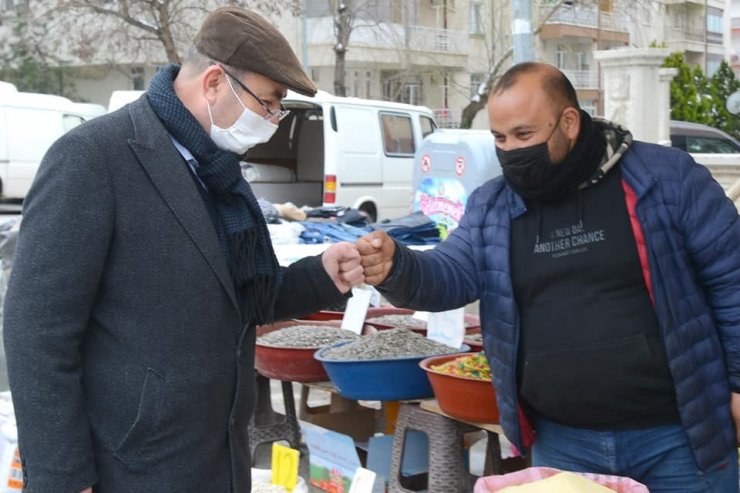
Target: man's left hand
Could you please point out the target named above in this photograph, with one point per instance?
(342, 262)
(735, 408)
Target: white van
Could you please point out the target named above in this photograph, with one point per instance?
(29, 124)
(119, 99)
(335, 151)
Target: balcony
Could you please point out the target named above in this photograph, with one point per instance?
(586, 17)
(413, 38)
(673, 33)
(584, 22)
(582, 79)
(700, 3)
(437, 40)
(388, 41)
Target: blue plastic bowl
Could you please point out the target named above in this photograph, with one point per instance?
(389, 379)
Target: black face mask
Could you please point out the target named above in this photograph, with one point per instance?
(528, 168)
(530, 172)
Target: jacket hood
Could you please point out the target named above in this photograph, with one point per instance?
(618, 140)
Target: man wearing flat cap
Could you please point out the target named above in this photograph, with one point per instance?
(143, 266)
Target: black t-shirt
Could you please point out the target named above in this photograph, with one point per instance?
(590, 353)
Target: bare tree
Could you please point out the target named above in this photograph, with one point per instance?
(343, 23)
(347, 16)
(123, 31)
(499, 61)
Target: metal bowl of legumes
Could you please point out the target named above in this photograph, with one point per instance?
(383, 366)
(285, 350)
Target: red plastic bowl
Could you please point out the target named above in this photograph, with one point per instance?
(463, 398)
(288, 363)
(472, 321)
(324, 315)
(476, 346)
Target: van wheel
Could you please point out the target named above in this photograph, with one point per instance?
(370, 211)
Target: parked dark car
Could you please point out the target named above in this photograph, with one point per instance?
(698, 138)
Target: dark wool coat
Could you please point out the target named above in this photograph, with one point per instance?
(129, 364)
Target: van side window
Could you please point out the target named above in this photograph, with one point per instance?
(398, 135)
(427, 126)
(71, 121)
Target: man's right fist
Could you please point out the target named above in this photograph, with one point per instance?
(377, 250)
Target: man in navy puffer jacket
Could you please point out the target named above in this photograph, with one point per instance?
(608, 274)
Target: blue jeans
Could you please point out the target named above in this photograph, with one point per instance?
(659, 457)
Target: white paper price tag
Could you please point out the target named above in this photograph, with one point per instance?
(447, 327)
(420, 316)
(374, 297)
(363, 481)
(354, 314)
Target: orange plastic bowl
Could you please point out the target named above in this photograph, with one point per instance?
(463, 398)
(292, 364)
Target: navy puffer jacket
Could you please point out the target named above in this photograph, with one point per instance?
(692, 234)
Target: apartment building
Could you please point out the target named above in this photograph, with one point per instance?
(696, 28)
(733, 44)
(438, 52)
(577, 28)
(571, 32)
(431, 52)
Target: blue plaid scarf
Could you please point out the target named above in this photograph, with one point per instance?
(242, 229)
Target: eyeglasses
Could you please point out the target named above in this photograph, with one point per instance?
(279, 114)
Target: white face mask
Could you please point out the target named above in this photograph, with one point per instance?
(246, 132)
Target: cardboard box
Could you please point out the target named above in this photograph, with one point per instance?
(333, 458)
(358, 423)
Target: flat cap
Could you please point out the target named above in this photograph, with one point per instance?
(245, 40)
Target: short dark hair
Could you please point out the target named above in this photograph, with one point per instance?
(555, 84)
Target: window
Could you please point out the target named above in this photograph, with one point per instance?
(714, 21)
(560, 57)
(315, 72)
(450, 4)
(396, 89)
(359, 85)
(713, 63)
(645, 15)
(583, 61)
(476, 18)
(589, 106)
(427, 126)
(317, 8)
(71, 121)
(378, 10)
(709, 145)
(476, 81)
(356, 84)
(398, 136)
(137, 78)
(411, 94)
